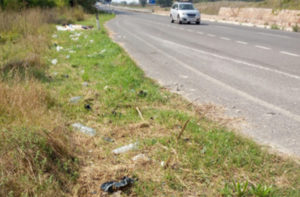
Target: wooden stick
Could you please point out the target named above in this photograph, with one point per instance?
(140, 113)
(182, 130)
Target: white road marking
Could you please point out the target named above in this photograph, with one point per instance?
(241, 42)
(200, 32)
(211, 35)
(225, 38)
(262, 47)
(189, 30)
(257, 66)
(274, 35)
(215, 81)
(288, 53)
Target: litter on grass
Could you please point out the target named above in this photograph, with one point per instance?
(58, 48)
(75, 99)
(84, 129)
(54, 61)
(71, 27)
(113, 186)
(126, 148)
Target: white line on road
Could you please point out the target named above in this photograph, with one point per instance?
(200, 32)
(217, 82)
(241, 42)
(225, 38)
(288, 53)
(262, 47)
(211, 35)
(257, 66)
(274, 35)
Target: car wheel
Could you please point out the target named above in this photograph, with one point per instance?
(178, 20)
(172, 20)
(198, 22)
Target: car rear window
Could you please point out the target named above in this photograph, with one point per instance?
(186, 7)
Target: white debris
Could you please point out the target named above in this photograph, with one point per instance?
(141, 157)
(75, 99)
(103, 51)
(162, 163)
(58, 48)
(84, 129)
(126, 148)
(54, 61)
(54, 36)
(68, 56)
(106, 87)
(85, 84)
(91, 41)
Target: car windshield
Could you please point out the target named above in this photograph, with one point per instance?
(186, 7)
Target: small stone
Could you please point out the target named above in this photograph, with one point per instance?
(108, 139)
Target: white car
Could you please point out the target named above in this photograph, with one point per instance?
(183, 12)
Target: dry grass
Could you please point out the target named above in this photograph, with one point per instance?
(37, 153)
(214, 7)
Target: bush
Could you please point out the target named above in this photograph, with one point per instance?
(296, 28)
(164, 3)
(143, 3)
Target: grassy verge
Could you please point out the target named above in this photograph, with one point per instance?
(37, 149)
(207, 159)
(42, 155)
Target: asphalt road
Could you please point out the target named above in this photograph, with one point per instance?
(254, 73)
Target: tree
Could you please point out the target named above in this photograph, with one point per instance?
(164, 3)
(143, 3)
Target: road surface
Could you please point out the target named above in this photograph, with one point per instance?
(254, 73)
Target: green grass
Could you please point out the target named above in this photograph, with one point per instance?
(208, 159)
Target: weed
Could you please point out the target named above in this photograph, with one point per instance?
(296, 28)
(261, 191)
(275, 27)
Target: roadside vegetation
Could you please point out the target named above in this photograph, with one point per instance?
(213, 7)
(186, 151)
(37, 156)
